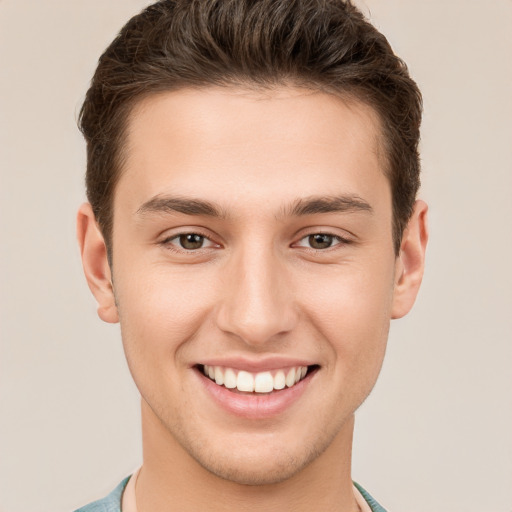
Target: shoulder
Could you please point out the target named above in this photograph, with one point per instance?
(110, 503)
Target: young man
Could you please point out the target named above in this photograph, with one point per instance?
(252, 225)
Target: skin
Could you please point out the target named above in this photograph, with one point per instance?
(255, 289)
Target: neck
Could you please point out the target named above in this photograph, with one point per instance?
(170, 477)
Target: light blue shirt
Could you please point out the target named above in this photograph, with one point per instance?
(112, 502)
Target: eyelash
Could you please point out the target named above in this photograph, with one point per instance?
(167, 242)
(336, 239)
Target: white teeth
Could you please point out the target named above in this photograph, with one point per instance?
(290, 378)
(219, 376)
(262, 382)
(230, 378)
(279, 380)
(245, 382)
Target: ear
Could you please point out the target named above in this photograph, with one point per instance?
(411, 261)
(95, 263)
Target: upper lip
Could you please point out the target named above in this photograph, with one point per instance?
(256, 365)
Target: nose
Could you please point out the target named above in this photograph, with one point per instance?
(258, 304)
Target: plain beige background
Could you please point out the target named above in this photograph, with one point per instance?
(435, 435)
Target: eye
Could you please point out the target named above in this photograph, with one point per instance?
(189, 241)
(319, 241)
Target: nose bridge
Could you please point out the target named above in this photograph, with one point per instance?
(257, 304)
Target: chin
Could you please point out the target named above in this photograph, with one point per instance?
(249, 459)
(263, 469)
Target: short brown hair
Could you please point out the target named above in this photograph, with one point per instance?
(318, 44)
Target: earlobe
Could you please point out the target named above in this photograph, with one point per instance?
(411, 261)
(95, 263)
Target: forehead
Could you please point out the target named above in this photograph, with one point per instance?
(238, 145)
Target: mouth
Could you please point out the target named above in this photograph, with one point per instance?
(256, 383)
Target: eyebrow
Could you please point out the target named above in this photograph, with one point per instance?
(327, 204)
(187, 206)
(299, 208)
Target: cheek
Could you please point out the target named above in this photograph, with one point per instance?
(160, 310)
(351, 309)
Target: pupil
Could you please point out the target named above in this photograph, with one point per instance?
(320, 241)
(191, 241)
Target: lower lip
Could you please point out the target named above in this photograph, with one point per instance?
(254, 406)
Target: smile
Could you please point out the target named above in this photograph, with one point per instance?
(256, 390)
(260, 382)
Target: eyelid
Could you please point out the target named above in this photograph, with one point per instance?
(338, 239)
(166, 240)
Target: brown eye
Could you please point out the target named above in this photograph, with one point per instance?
(320, 241)
(191, 241)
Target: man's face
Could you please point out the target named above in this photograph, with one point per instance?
(253, 233)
